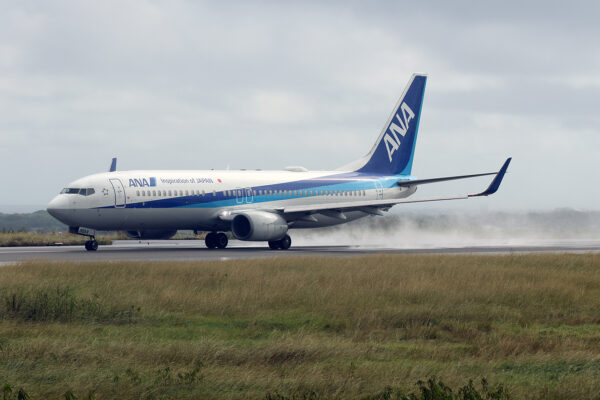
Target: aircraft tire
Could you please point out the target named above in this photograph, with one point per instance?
(285, 242)
(210, 240)
(274, 244)
(221, 240)
(91, 245)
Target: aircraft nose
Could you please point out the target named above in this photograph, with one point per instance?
(57, 207)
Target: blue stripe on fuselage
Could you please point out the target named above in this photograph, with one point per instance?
(345, 181)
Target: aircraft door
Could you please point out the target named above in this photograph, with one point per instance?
(249, 195)
(378, 190)
(119, 191)
(239, 196)
(244, 196)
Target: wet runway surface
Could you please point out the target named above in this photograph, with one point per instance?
(185, 250)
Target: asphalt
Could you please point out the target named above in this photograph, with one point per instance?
(186, 250)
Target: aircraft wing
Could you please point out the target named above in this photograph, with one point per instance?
(376, 206)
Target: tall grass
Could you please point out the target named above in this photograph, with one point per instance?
(60, 304)
(336, 327)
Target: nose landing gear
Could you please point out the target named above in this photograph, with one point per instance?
(92, 244)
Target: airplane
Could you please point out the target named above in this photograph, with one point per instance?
(257, 205)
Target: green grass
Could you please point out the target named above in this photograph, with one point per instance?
(324, 327)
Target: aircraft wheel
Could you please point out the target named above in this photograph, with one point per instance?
(285, 242)
(210, 240)
(274, 244)
(91, 245)
(221, 240)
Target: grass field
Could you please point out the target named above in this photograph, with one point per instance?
(334, 327)
(14, 239)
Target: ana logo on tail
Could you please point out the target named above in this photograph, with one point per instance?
(391, 139)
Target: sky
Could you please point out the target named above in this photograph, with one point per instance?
(200, 85)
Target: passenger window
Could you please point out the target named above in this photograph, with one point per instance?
(214, 193)
(154, 193)
(203, 193)
(170, 193)
(137, 192)
(181, 192)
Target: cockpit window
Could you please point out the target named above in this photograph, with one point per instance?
(81, 191)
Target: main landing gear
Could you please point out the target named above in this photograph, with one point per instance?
(92, 244)
(282, 244)
(216, 240)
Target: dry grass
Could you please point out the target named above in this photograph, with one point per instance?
(14, 239)
(345, 327)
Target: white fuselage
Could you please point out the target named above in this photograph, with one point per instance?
(171, 200)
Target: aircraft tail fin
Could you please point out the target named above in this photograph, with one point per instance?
(394, 149)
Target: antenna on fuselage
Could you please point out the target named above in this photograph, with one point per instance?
(113, 165)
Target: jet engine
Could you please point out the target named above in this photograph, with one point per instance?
(151, 234)
(258, 225)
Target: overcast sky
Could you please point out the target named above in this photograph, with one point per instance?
(193, 85)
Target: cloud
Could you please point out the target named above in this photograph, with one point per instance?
(194, 85)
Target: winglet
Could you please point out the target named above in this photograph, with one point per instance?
(113, 165)
(493, 188)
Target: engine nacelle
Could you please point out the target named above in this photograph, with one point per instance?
(151, 234)
(258, 225)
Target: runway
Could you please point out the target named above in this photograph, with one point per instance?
(188, 250)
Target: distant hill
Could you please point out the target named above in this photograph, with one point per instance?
(558, 224)
(39, 221)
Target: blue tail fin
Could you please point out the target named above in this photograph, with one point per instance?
(393, 151)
